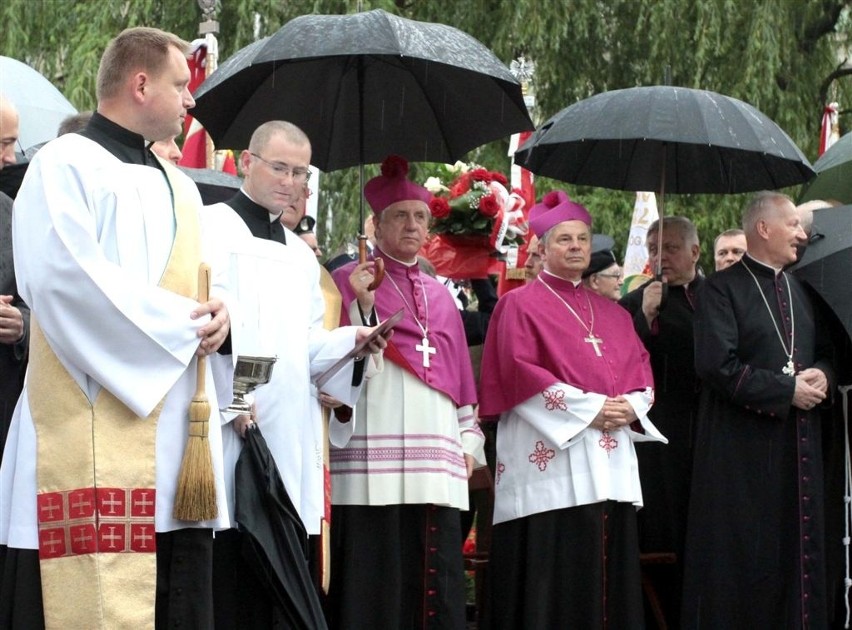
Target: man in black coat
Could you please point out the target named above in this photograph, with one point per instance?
(755, 553)
(665, 328)
(14, 314)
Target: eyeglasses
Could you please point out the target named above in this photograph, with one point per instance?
(616, 276)
(300, 175)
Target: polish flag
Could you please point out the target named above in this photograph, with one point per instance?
(194, 137)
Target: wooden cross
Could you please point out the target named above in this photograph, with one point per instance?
(425, 349)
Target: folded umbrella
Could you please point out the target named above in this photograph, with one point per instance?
(275, 533)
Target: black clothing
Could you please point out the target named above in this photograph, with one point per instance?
(754, 546)
(665, 470)
(256, 217)
(406, 537)
(533, 579)
(13, 357)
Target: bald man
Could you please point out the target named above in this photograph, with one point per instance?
(14, 314)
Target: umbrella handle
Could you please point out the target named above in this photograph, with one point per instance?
(380, 264)
(665, 294)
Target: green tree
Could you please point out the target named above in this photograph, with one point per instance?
(782, 56)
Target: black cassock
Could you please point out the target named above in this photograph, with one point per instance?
(665, 470)
(754, 545)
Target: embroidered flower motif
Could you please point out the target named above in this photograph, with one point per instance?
(541, 455)
(554, 400)
(607, 442)
(501, 468)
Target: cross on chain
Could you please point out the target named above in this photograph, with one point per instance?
(594, 341)
(425, 349)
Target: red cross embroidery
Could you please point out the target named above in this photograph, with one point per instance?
(554, 400)
(607, 442)
(541, 455)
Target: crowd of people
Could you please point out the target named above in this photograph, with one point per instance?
(671, 435)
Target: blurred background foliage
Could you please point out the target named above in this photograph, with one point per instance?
(786, 57)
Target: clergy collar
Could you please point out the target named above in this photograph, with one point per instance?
(272, 217)
(387, 256)
(126, 145)
(559, 279)
(766, 266)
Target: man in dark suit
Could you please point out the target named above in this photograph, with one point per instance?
(14, 314)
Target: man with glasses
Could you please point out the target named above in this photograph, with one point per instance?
(281, 309)
(665, 327)
(603, 275)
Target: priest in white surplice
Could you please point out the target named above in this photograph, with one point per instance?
(107, 241)
(400, 466)
(278, 311)
(571, 385)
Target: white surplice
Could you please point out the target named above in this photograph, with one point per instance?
(92, 239)
(548, 457)
(278, 312)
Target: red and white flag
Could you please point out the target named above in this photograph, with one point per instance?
(194, 138)
(829, 132)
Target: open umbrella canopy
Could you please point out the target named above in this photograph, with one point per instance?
(40, 105)
(827, 260)
(665, 139)
(363, 86)
(834, 174)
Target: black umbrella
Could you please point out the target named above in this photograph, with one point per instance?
(214, 186)
(276, 534)
(665, 139)
(363, 86)
(834, 174)
(827, 260)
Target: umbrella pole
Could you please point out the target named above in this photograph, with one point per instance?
(379, 268)
(195, 499)
(662, 213)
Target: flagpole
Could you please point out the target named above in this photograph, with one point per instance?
(209, 28)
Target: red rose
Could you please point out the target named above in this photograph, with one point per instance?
(395, 166)
(499, 178)
(489, 206)
(460, 186)
(480, 175)
(439, 207)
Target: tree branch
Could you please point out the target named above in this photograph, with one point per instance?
(842, 70)
(822, 25)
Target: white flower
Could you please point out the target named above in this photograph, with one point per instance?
(434, 185)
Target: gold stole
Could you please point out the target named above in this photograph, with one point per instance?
(97, 475)
(333, 304)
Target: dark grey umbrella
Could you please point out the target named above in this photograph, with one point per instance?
(275, 533)
(364, 86)
(665, 139)
(214, 186)
(827, 260)
(834, 174)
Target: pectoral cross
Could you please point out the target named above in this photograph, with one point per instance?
(789, 369)
(425, 349)
(594, 341)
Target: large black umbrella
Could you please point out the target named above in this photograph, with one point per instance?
(834, 174)
(665, 139)
(276, 534)
(827, 260)
(363, 86)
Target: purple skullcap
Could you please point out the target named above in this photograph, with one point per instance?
(393, 185)
(554, 208)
